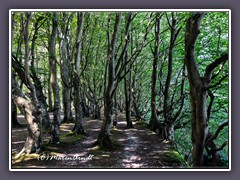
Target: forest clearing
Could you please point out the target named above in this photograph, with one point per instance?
(121, 90)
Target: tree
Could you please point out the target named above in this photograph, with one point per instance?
(65, 66)
(78, 129)
(198, 88)
(127, 78)
(54, 82)
(32, 109)
(169, 117)
(103, 137)
(154, 123)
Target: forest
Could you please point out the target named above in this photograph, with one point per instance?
(119, 89)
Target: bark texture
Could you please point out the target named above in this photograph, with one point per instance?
(103, 138)
(78, 129)
(198, 89)
(54, 82)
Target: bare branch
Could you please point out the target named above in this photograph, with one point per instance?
(213, 65)
(222, 146)
(219, 82)
(216, 133)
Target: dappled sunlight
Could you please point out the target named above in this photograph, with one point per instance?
(132, 159)
(89, 142)
(77, 154)
(18, 142)
(122, 139)
(133, 150)
(96, 130)
(130, 148)
(95, 148)
(121, 122)
(127, 130)
(92, 121)
(19, 130)
(105, 155)
(151, 133)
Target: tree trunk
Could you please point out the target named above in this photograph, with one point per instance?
(137, 112)
(197, 92)
(33, 112)
(127, 90)
(154, 123)
(50, 104)
(15, 122)
(103, 138)
(37, 82)
(198, 88)
(38, 88)
(42, 101)
(167, 111)
(65, 71)
(54, 83)
(78, 129)
(34, 139)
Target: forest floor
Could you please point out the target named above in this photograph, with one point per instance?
(137, 147)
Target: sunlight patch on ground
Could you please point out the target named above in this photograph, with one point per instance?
(95, 130)
(151, 133)
(92, 121)
(105, 155)
(77, 154)
(19, 130)
(95, 148)
(89, 141)
(18, 142)
(122, 122)
(117, 130)
(131, 148)
(122, 139)
(127, 130)
(66, 127)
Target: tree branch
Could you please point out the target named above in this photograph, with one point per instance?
(222, 146)
(213, 65)
(219, 82)
(216, 133)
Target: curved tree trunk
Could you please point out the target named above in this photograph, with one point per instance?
(198, 88)
(32, 109)
(103, 137)
(169, 118)
(78, 129)
(36, 80)
(17, 66)
(34, 139)
(154, 124)
(197, 92)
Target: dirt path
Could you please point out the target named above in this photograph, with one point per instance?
(136, 148)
